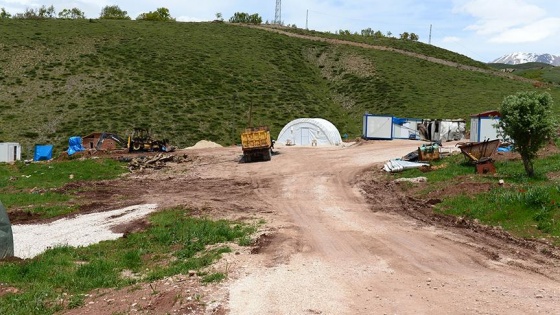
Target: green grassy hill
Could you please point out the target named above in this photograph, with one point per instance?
(194, 81)
(533, 70)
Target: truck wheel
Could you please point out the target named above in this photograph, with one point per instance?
(266, 155)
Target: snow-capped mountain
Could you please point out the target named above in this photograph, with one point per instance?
(519, 57)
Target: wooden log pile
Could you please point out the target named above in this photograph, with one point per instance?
(156, 162)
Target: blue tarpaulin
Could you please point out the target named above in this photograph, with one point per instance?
(399, 121)
(75, 145)
(43, 152)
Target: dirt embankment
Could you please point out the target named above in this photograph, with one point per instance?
(399, 51)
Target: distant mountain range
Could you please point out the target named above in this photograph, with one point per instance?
(518, 58)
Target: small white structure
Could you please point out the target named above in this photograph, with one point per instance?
(309, 131)
(10, 152)
(443, 130)
(377, 127)
(406, 128)
(483, 126)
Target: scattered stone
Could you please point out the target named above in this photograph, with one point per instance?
(414, 180)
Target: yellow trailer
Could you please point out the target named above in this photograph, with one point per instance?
(256, 144)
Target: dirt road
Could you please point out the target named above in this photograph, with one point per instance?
(337, 240)
(329, 253)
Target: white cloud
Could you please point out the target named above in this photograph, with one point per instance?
(533, 32)
(496, 16)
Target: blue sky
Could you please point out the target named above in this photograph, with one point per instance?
(481, 29)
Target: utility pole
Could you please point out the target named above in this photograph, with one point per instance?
(306, 19)
(430, 39)
(278, 13)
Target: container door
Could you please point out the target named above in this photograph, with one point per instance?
(305, 136)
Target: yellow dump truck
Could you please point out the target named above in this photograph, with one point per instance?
(256, 144)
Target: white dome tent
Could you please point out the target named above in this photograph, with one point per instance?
(309, 131)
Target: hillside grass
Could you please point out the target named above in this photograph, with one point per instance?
(193, 81)
(534, 70)
(393, 42)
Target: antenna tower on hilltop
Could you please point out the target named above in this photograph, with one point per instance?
(278, 13)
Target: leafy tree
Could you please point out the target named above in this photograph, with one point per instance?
(28, 14)
(113, 12)
(71, 14)
(219, 17)
(161, 14)
(4, 14)
(256, 19)
(46, 13)
(414, 37)
(405, 36)
(242, 17)
(527, 118)
(367, 32)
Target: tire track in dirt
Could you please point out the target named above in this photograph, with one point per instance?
(350, 260)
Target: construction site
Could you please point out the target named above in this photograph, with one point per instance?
(334, 228)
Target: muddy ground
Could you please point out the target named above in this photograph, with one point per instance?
(338, 239)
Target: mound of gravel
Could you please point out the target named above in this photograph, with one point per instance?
(203, 144)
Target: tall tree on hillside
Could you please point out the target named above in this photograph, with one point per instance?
(527, 118)
(71, 14)
(378, 34)
(414, 37)
(4, 14)
(113, 12)
(29, 14)
(242, 17)
(367, 32)
(405, 36)
(161, 14)
(46, 13)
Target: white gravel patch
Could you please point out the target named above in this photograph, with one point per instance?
(32, 239)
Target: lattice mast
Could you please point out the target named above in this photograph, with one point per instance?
(278, 12)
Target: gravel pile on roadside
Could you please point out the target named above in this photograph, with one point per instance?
(204, 144)
(31, 240)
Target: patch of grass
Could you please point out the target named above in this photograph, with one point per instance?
(33, 186)
(527, 207)
(58, 278)
(214, 277)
